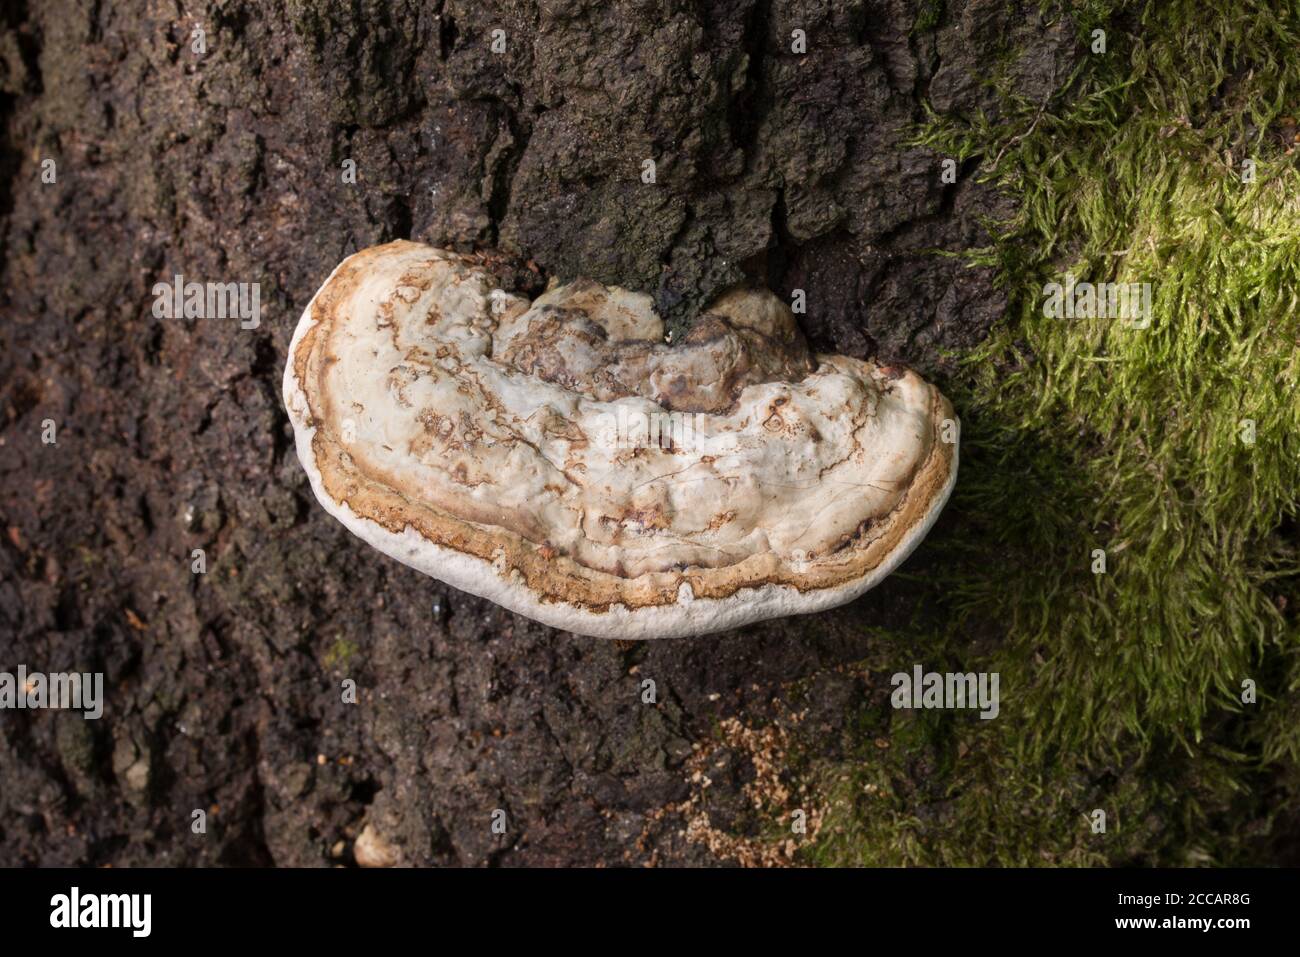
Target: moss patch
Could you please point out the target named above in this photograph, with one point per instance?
(1173, 448)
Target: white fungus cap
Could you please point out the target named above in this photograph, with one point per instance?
(556, 457)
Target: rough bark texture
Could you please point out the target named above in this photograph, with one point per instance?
(224, 688)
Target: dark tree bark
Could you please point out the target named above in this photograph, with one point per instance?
(787, 169)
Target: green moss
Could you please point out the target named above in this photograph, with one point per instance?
(1122, 691)
(928, 16)
(340, 654)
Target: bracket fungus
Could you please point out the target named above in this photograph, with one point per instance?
(559, 458)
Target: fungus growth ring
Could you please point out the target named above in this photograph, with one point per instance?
(559, 458)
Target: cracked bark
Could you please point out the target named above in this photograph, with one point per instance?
(790, 170)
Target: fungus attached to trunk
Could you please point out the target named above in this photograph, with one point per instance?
(560, 459)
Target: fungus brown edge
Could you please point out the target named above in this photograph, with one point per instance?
(521, 576)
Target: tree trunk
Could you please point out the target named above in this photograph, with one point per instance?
(215, 144)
